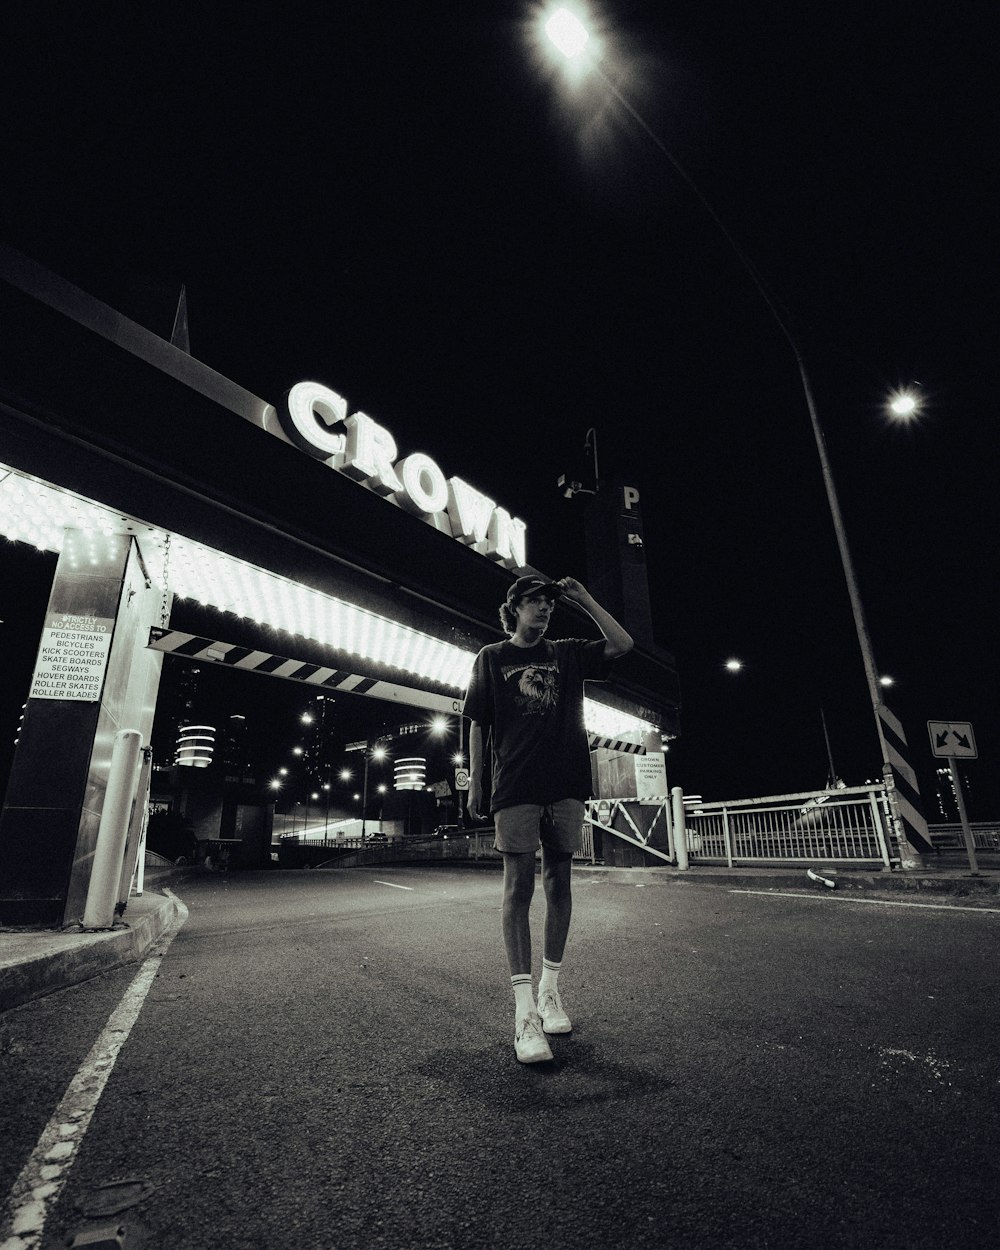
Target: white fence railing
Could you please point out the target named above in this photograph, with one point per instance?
(846, 825)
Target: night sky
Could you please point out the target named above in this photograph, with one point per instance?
(415, 207)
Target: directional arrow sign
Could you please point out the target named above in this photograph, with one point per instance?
(952, 738)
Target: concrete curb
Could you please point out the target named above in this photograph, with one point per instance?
(38, 964)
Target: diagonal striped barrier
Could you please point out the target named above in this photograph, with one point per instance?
(904, 791)
(616, 744)
(248, 660)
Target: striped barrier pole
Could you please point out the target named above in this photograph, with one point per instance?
(909, 821)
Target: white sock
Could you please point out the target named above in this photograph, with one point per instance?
(549, 979)
(524, 999)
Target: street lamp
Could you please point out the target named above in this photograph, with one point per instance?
(568, 33)
(378, 753)
(561, 28)
(326, 817)
(903, 404)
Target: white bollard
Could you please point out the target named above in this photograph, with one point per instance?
(680, 828)
(102, 894)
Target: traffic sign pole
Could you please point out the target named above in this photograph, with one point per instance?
(970, 846)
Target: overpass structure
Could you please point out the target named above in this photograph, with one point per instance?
(280, 535)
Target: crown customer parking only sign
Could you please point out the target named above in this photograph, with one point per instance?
(953, 739)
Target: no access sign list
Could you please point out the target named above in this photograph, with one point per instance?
(72, 657)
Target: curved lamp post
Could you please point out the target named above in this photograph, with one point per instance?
(570, 37)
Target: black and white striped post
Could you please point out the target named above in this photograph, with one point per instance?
(909, 821)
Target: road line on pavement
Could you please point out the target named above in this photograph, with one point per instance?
(42, 1178)
(377, 882)
(880, 902)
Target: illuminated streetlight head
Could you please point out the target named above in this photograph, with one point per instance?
(345, 774)
(886, 681)
(378, 753)
(734, 666)
(306, 718)
(275, 784)
(297, 751)
(439, 724)
(903, 404)
(458, 759)
(567, 32)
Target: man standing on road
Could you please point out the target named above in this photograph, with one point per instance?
(527, 694)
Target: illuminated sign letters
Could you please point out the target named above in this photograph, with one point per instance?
(316, 421)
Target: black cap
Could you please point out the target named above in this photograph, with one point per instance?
(532, 585)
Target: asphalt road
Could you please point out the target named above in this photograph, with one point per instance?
(324, 1060)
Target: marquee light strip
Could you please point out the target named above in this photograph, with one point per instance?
(35, 512)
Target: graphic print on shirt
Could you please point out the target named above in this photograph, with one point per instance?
(538, 685)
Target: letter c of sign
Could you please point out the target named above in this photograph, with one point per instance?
(307, 402)
(631, 496)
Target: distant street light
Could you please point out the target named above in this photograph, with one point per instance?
(561, 30)
(378, 753)
(903, 404)
(326, 817)
(734, 666)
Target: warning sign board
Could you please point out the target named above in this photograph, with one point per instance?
(72, 657)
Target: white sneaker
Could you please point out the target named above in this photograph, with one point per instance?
(554, 1018)
(529, 1040)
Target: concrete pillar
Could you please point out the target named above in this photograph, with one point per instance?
(93, 676)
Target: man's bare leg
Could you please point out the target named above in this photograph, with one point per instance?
(518, 888)
(557, 867)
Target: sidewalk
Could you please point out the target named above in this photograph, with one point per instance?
(35, 962)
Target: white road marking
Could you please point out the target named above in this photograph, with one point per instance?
(377, 882)
(42, 1178)
(878, 902)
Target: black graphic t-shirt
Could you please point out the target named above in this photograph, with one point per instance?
(530, 700)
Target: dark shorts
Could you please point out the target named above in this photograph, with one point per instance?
(558, 826)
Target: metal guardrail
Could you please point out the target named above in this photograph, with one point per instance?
(355, 853)
(846, 826)
(833, 826)
(948, 837)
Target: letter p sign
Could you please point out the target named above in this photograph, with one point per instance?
(630, 497)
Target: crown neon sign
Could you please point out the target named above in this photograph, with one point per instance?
(315, 419)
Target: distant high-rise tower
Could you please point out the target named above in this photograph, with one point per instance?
(195, 746)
